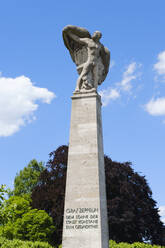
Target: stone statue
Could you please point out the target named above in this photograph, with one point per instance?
(90, 56)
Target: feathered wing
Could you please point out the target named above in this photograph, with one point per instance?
(77, 51)
(105, 57)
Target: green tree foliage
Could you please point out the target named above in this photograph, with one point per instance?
(22, 222)
(3, 191)
(132, 213)
(35, 225)
(15, 207)
(27, 178)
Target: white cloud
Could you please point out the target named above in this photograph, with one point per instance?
(162, 210)
(18, 98)
(163, 220)
(160, 65)
(156, 107)
(162, 213)
(108, 95)
(128, 76)
(125, 85)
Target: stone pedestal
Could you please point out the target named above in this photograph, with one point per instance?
(85, 215)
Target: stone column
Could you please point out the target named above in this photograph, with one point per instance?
(85, 215)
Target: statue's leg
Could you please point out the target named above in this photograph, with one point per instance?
(84, 73)
(78, 83)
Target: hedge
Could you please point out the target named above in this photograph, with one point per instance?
(5, 243)
(15, 243)
(113, 244)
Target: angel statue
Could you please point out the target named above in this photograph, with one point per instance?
(90, 56)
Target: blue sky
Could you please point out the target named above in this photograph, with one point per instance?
(38, 77)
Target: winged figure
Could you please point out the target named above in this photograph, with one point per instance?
(90, 56)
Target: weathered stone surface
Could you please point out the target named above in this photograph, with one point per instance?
(85, 214)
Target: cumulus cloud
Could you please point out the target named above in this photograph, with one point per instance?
(108, 95)
(128, 76)
(159, 67)
(162, 213)
(18, 102)
(156, 107)
(125, 85)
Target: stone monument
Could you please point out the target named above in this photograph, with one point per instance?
(85, 215)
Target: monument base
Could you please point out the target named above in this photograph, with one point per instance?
(85, 215)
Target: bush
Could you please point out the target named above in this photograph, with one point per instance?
(113, 244)
(15, 207)
(23, 223)
(35, 225)
(5, 243)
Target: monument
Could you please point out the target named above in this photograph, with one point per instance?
(85, 215)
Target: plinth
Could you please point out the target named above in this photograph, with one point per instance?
(85, 214)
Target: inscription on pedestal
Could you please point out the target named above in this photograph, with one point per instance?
(81, 218)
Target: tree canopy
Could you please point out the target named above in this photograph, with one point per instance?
(132, 213)
(3, 191)
(50, 192)
(27, 178)
(20, 221)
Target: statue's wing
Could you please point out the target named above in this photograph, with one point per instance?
(105, 57)
(77, 51)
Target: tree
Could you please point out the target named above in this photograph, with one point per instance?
(50, 192)
(15, 207)
(132, 213)
(12, 209)
(27, 178)
(22, 222)
(35, 225)
(3, 191)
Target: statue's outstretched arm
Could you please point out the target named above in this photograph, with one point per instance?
(76, 38)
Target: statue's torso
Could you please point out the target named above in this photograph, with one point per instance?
(93, 50)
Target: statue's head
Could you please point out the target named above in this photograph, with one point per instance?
(96, 35)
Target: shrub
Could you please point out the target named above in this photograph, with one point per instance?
(35, 225)
(5, 243)
(22, 222)
(113, 244)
